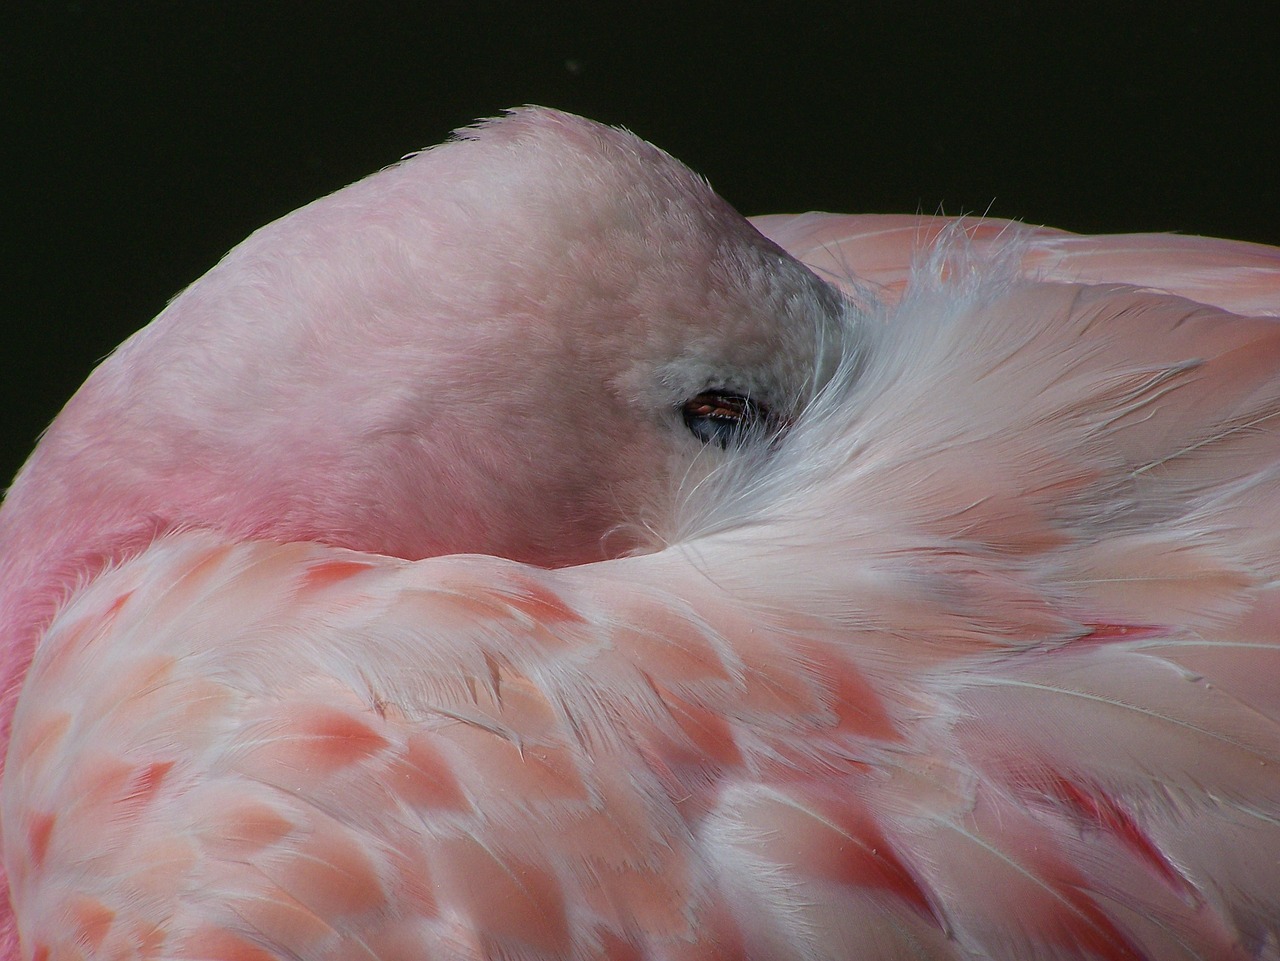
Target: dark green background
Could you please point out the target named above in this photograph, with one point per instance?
(141, 140)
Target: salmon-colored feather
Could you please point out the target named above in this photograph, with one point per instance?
(978, 658)
(879, 250)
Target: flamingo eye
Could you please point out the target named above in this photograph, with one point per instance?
(723, 418)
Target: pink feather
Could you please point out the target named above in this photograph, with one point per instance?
(976, 658)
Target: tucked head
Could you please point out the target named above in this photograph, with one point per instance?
(518, 343)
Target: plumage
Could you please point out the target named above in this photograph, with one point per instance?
(978, 657)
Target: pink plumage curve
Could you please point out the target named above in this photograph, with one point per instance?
(933, 618)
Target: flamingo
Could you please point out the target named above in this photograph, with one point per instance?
(517, 555)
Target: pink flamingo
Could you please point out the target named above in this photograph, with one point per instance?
(934, 620)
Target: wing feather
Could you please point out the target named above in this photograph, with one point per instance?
(983, 661)
(879, 251)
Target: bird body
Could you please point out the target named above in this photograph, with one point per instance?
(977, 656)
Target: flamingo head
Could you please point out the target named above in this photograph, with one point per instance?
(524, 342)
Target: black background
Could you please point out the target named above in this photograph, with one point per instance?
(140, 141)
